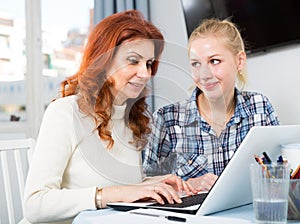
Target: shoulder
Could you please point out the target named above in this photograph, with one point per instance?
(62, 108)
(64, 103)
(173, 109)
(257, 106)
(174, 114)
(181, 112)
(250, 97)
(254, 102)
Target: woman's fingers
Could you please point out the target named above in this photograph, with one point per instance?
(203, 183)
(179, 183)
(182, 185)
(166, 191)
(189, 189)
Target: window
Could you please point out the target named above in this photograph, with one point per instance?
(64, 26)
(12, 62)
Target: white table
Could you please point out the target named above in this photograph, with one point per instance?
(243, 213)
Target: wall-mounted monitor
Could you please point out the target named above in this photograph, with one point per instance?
(264, 24)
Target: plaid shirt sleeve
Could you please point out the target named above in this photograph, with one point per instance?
(271, 118)
(158, 145)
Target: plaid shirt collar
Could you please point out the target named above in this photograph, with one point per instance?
(192, 114)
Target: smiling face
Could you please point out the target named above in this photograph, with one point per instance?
(131, 69)
(214, 67)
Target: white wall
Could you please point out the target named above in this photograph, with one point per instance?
(173, 81)
(274, 73)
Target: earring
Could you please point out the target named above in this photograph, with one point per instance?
(240, 73)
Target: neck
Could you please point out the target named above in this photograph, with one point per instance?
(119, 101)
(216, 112)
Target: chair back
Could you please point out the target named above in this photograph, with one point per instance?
(14, 164)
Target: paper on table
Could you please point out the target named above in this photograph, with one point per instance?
(215, 220)
(126, 217)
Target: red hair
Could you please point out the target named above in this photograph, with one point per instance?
(92, 84)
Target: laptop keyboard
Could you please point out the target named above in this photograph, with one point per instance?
(186, 201)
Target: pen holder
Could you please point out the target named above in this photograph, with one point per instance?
(294, 200)
(270, 187)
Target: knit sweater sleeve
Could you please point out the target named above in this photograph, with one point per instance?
(45, 199)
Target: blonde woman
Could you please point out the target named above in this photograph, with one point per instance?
(205, 130)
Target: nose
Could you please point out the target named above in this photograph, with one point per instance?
(143, 71)
(204, 72)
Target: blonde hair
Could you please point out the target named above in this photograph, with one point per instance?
(226, 30)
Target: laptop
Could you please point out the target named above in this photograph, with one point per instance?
(232, 188)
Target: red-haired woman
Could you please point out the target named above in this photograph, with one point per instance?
(88, 151)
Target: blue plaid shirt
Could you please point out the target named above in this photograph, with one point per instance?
(182, 142)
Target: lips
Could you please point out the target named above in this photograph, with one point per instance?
(138, 85)
(209, 86)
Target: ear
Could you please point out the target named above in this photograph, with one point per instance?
(241, 60)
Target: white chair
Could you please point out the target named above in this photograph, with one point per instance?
(14, 163)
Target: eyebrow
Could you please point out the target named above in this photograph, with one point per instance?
(210, 57)
(140, 56)
(215, 55)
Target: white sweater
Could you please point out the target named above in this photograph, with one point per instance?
(70, 161)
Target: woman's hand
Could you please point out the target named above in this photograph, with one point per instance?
(160, 188)
(158, 191)
(204, 182)
(180, 185)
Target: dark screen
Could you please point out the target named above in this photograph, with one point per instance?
(263, 24)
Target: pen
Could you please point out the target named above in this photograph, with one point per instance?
(268, 160)
(296, 173)
(260, 162)
(173, 218)
(280, 160)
